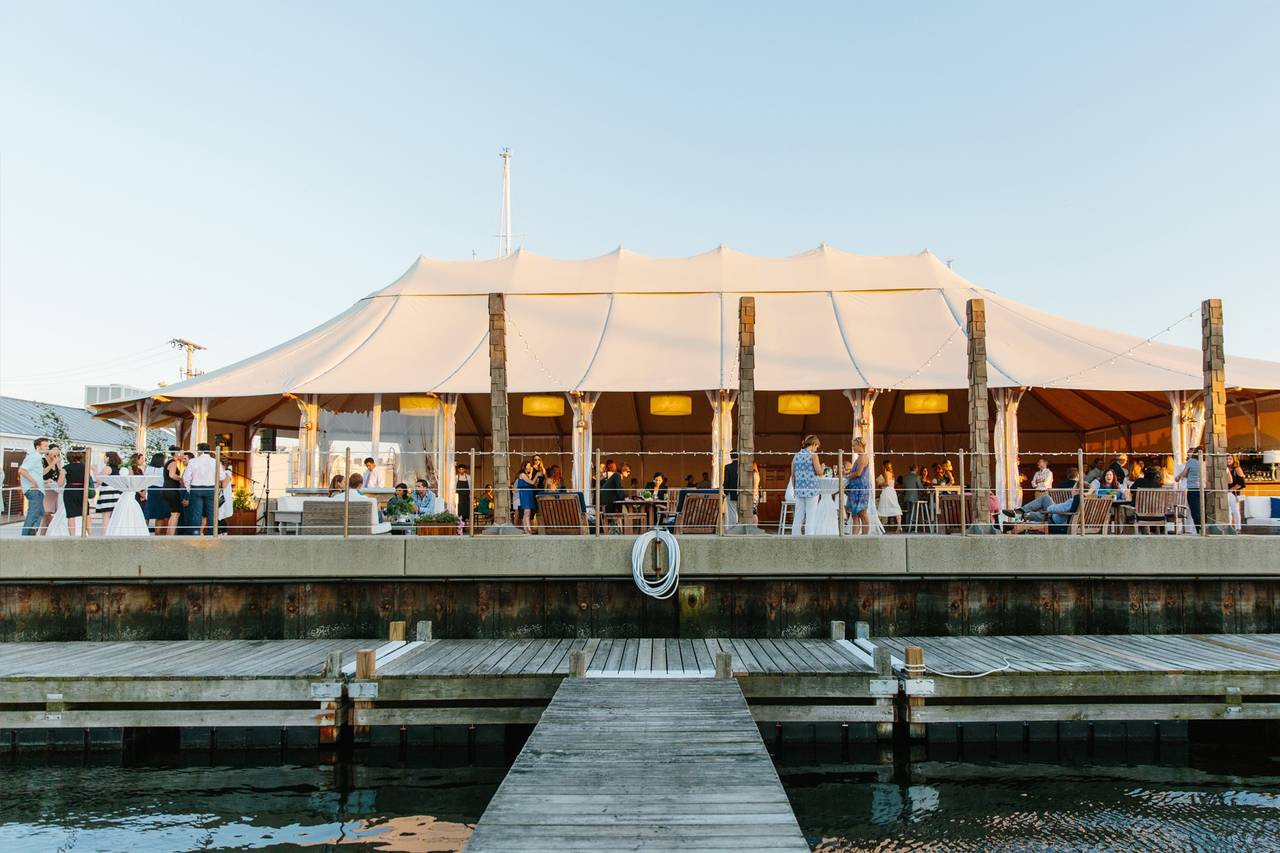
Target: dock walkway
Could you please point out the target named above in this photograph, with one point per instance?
(642, 764)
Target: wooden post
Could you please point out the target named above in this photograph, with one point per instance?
(366, 669)
(395, 631)
(422, 632)
(837, 630)
(471, 510)
(577, 664)
(724, 665)
(1217, 515)
(862, 630)
(217, 487)
(85, 518)
(346, 498)
(883, 662)
(331, 707)
(840, 507)
(979, 414)
(915, 669)
(499, 417)
(746, 437)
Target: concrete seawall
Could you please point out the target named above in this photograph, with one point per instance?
(441, 557)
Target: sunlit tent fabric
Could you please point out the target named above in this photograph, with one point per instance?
(826, 319)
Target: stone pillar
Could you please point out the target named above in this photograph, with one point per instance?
(499, 417)
(1217, 517)
(979, 419)
(583, 405)
(746, 413)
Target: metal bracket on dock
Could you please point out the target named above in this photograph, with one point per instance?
(53, 707)
(1235, 702)
(884, 687)
(326, 690)
(362, 690)
(919, 686)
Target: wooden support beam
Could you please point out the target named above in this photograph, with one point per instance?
(914, 659)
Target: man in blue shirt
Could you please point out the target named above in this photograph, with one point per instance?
(424, 500)
(31, 479)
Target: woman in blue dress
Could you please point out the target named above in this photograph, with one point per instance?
(806, 468)
(857, 489)
(526, 487)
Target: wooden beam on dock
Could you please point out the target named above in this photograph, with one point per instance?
(641, 764)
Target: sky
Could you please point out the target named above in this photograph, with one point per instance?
(236, 173)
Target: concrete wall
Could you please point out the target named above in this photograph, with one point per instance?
(441, 557)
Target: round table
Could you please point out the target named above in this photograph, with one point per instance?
(827, 518)
(127, 518)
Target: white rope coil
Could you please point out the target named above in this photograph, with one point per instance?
(664, 587)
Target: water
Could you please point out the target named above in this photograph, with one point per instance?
(1202, 799)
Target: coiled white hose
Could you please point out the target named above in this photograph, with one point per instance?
(665, 587)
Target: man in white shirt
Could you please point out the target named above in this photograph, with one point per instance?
(31, 479)
(1042, 479)
(200, 479)
(372, 476)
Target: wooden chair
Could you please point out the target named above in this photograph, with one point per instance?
(950, 518)
(324, 518)
(561, 515)
(700, 514)
(1151, 508)
(1094, 516)
(1060, 495)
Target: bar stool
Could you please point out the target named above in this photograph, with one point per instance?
(922, 519)
(786, 515)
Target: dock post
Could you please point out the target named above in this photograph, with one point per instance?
(331, 708)
(915, 669)
(577, 664)
(884, 669)
(422, 631)
(862, 631)
(724, 664)
(395, 631)
(837, 630)
(366, 667)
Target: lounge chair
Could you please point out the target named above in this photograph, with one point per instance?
(562, 513)
(699, 512)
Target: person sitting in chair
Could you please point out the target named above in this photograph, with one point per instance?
(1043, 509)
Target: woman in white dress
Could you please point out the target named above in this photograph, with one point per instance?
(888, 507)
(226, 507)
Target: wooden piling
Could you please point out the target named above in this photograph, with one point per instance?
(883, 661)
(366, 668)
(837, 630)
(914, 659)
(331, 708)
(395, 631)
(577, 664)
(724, 665)
(862, 630)
(422, 631)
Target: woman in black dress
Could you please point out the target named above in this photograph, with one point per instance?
(73, 494)
(172, 491)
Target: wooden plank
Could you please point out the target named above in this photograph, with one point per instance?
(602, 772)
(935, 713)
(644, 655)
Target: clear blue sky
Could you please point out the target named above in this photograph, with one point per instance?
(237, 172)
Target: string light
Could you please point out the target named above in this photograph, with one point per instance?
(1114, 357)
(551, 377)
(922, 368)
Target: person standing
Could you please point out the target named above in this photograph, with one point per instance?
(31, 478)
(1191, 473)
(729, 485)
(54, 480)
(806, 468)
(200, 479)
(1042, 479)
(174, 494)
(888, 507)
(372, 476)
(108, 496)
(73, 493)
(157, 503)
(857, 489)
(463, 488)
(526, 488)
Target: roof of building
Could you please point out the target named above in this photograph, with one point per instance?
(23, 417)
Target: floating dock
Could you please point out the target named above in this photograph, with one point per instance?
(642, 764)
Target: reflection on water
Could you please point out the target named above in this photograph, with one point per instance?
(1063, 801)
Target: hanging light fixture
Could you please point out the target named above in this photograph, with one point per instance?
(542, 406)
(419, 406)
(924, 404)
(670, 405)
(799, 404)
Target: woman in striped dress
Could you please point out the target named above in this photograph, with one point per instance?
(108, 496)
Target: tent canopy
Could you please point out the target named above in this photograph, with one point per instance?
(623, 322)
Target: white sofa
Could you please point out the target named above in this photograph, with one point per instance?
(1256, 513)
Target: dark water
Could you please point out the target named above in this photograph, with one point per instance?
(1207, 798)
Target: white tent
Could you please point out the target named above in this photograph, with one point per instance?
(826, 320)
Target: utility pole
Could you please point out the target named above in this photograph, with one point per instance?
(190, 347)
(504, 226)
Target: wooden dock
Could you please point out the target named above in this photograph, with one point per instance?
(642, 764)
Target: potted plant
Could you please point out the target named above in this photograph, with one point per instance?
(440, 524)
(244, 514)
(401, 510)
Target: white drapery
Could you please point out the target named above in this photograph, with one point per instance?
(721, 431)
(863, 401)
(199, 423)
(308, 440)
(445, 449)
(1006, 446)
(1186, 410)
(583, 404)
